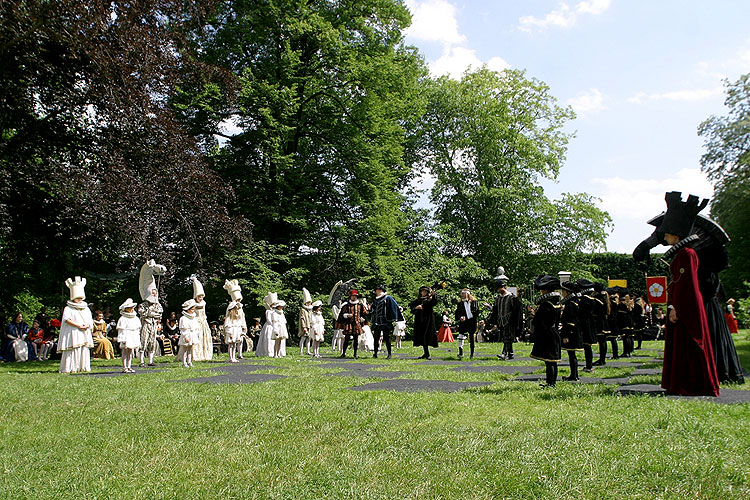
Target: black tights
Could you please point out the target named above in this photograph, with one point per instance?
(589, 355)
(551, 372)
(602, 340)
(573, 365)
(355, 344)
(615, 350)
(386, 333)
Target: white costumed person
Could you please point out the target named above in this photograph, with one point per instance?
(128, 334)
(338, 333)
(235, 294)
(203, 351)
(75, 338)
(279, 333)
(305, 317)
(317, 327)
(149, 310)
(265, 344)
(234, 327)
(189, 332)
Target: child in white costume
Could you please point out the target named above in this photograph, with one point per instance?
(205, 349)
(366, 340)
(279, 333)
(235, 294)
(128, 334)
(305, 317)
(189, 332)
(75, 338)
(317, 327)
(399, 330)
(234, 327)
(266, 343)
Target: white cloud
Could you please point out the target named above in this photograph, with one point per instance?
(641, 199)
(455, 60)
(587, 103)
(688, 95)
(434, 21)
(564, 16)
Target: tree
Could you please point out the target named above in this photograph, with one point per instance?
(488, 140)
(727, 163)
(323, 95)
(96, 172)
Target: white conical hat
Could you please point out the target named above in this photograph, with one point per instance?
(197, 288)
(127, 304)
(306, 296)
(76, 287)
(233, 289)
(270, 299)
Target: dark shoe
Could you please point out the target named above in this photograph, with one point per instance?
(342, 356)
(375, 355)
(509, 356)
(599, 363)
(152, 364)
(570, 379)
(388, 357)
(588, 370)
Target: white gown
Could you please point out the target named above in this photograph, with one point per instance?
(366, 340)
(74, 344)
(129, 332)
(265, 341)
(317, 326)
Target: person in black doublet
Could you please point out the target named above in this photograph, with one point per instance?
(423, 309)
(625, 322)
(586, 321)
(546, 321)
(467, 311)
(506, 315)
(570, 331)
(601, 313)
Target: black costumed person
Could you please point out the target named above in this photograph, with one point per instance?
(710, 246)
(350, 320)
(467, 312)
(614, 329)
(546, 320)
(625, 321)
(586, 321)
(639, 320)
(570, 332)
(506, 315)
(384, 311)
(423, 309)
(601, 313)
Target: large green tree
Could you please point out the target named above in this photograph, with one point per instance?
(321, 102)
(488, 141)
(727, 163)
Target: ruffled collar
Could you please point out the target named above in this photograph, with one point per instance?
(552, 297)
(306, 308)
(99, 321)
(189, 315)
(672, 251)
(78, 305)
(129, 314)
(354, 301)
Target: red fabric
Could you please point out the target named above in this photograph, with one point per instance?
(657, 289)
(734, 327)
(689, 366)
(36, 336)
(445, 334)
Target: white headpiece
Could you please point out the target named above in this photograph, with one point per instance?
(146, 281)
(188, 304)
(306, 296)
(76, 287)
(278, 303)
(233, 288)
(127, 304)
(233, 305)
(317, 303)
(197, 288)
(270, 299)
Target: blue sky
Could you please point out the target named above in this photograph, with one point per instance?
(641, 75)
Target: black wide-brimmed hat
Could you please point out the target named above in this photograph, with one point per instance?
(570, 286)
(600, 287)
(546, 282)
(583, 283)
(680, 215)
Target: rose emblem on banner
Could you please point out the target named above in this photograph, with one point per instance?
(656, 290)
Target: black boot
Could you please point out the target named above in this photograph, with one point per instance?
(460, 352)
(589, 355)
(551, 374)
(471, 356)
(615, 354)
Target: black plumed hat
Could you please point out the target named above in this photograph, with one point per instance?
(570, 286)
(680, 215)
(600, 287)
(546, 282)
(583, 283)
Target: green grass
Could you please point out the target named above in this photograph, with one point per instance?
(307, 436)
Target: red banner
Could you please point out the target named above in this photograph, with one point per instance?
(656, 287)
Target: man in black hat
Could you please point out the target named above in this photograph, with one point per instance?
(506, 315)
(570, 332)
(625, 321)
(601, 312)
(384, 311)
(586, 320)
(425, 330)
(546, 320)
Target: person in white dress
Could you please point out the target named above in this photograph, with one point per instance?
(399, 330)
(305, 317)
(189, 332)
(128, 334)
(234, 327)
(338, 333)
(75, 338)
(204, 350)
(279, 332)
(265, 342)
(366, 340)
(317, 327)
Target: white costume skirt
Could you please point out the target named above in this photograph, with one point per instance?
(266, 344)
(77, 359)
(129, 339)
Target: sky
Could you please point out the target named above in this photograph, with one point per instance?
(640, 74)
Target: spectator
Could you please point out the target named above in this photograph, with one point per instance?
(16, 346)
(36, 337)
(102, 345)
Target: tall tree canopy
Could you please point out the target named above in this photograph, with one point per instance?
(727, 163)
(94, 167)
(488, 140)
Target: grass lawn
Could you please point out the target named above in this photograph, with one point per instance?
(307, 436)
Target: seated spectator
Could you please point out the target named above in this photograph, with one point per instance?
(171, 331)
(16, 346)
(36, 337)
(102, 345)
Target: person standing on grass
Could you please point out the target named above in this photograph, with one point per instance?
(234, 327)
(546, 321)
(399, 328)
(150, 312)
(625, 321)
(423, 309)
(506, 316)
(351, 318)
(305, 320)
(587, 321)
(204, 350)
(279, 332)
(317, 327)
(75, 339)
(128, 334)
(384, 312)
(570, 331)
(466, 315)
(601, 313)
(190, 332)
(614, 330)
